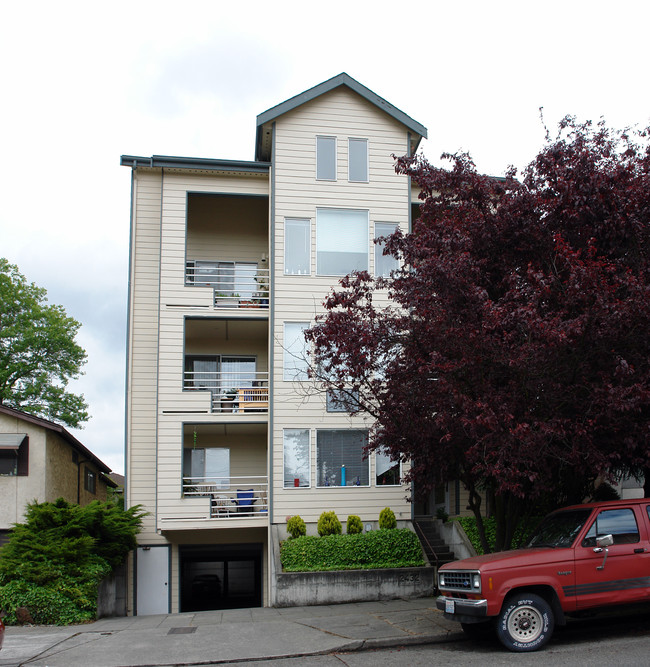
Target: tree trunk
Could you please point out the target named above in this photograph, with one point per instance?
(646, 484)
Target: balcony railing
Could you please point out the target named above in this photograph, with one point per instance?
(235, 284)
(231, 497)
(243, 392)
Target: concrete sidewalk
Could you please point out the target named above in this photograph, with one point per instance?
(213, 637)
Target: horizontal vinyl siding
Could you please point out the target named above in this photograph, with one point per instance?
(299, 298)
(143, 335)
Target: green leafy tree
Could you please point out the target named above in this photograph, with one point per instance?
(54, 561)
(38, 352)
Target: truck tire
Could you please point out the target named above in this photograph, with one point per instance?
(525, 623)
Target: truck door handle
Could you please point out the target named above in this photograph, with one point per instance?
(639, 550)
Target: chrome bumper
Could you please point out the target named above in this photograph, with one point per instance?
(460, 609)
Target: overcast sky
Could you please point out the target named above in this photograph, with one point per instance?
(85, 82)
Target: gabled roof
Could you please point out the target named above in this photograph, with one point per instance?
(56, 428)
(343, 79)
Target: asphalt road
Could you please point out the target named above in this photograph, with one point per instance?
(620, 641)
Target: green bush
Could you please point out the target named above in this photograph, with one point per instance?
(54, 561)
(354, 525)
(489, 523)
(376, 549)
(296, 527)
(329, 524)
(387, 518)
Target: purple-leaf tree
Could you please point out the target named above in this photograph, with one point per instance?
(514, 352)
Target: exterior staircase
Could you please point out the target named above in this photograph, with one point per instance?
(433, 545)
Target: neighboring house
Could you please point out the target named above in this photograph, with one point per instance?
(40, 461)
(230, 262)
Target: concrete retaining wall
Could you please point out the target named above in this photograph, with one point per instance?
(290, 589)
(310, 588)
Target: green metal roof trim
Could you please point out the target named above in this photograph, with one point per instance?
(209, 164)
(342, 79)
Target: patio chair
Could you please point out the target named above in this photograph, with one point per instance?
(245, 499)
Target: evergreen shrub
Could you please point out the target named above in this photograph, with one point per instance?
(387, 519)
(296, 527)
(329, 524)
(354, 525)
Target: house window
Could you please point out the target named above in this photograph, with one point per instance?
(295, 351)
(227, 278)
(219, 373)
(338, 400)
(326, 158)
(384, 264)
(341, 241)
(90, 480)
(387, 472)
(14, 454)
(358, 160)
(340, 458)
(205, 469)
(297, 247)
(296, 458)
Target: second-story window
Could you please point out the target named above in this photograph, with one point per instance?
(326, 158)
(297, 247)
(296, 362)
(90, 480)
(384, 264)
(358, 160)
(341, 241)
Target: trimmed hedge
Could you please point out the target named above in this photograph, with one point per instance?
(376, 549)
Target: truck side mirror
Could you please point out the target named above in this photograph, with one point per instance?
(602, 543)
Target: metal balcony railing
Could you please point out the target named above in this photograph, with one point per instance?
(231, 497)
(238, 392)
(235, 284)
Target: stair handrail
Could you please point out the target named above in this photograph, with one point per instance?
(422, 536)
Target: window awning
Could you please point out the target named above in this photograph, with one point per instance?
(12, 440)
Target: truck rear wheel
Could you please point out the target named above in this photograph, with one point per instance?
(525, 623)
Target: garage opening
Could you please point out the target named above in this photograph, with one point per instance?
(221, 577)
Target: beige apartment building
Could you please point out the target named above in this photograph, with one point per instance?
(230, 262)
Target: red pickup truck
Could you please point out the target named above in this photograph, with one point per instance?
(584, 557)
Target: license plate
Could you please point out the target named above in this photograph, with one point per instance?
(449, 606)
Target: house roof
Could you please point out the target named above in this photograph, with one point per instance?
(203, 164)
(262, 144)
(56, 428)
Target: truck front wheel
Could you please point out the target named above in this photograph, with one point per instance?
(525, 623)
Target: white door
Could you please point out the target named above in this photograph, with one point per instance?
(152, 581)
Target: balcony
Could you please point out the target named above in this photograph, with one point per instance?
(235, 284)
(239, 392)
(230, 498)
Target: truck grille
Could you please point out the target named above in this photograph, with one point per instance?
(460, 581)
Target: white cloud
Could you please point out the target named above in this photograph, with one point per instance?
(84, 83)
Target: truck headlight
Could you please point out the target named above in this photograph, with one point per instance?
(476, 581)
(442, 579)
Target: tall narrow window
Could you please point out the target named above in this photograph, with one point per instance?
(341, 241)
(326, 158)
(358, 160)
(340, 458)
(297, 247)
(384, 264)
(295, 351)
(90, 480)
(387, 471)
(296, 458)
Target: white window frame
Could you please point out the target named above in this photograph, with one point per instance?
(379, 247)
(321, 226)
(349, 473)
(387, 458)
(292, 366)
(292, 485)
(358, 141)
(319, 154)
(307, 221)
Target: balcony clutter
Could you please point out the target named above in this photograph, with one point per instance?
(226, 499)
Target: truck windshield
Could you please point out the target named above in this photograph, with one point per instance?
(559, 529)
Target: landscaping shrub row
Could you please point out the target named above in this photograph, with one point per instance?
(376, 549)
